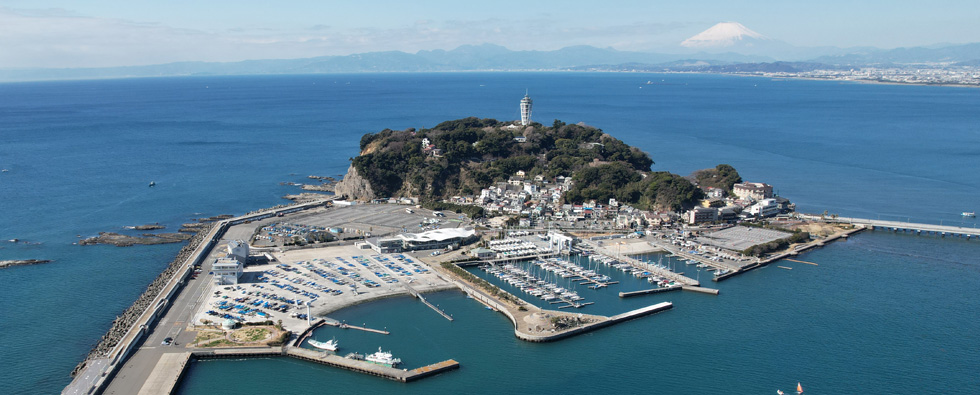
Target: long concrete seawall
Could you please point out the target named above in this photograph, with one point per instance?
(644, 311)
(507, 311)
(100, 367)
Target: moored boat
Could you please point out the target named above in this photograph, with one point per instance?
(383, 358)
(329, 345)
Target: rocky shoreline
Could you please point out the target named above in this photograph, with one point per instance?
(21, 262)
(307, 197)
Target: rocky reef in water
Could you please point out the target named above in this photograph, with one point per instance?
(21, 262)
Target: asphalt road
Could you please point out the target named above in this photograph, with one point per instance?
(138, 367)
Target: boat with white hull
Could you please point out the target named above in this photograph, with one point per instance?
(329, 345)
(383, 358)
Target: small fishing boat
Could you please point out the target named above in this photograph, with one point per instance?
(329, 345)
(153, 183)
(971, 214)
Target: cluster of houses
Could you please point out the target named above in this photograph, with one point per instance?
(520, 195)
(536, 198)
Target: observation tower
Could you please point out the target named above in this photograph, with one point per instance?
(526, 110)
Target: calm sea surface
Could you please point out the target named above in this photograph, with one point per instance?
(882, 313)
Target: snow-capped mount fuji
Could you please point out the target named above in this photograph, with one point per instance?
(725, 34)
(733, 37)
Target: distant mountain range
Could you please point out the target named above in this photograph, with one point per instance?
(721, 47)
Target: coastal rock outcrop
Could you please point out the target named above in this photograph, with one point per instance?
(21, 262)
(120, 240)
(306, 197)
(354, 186)
(148, 227)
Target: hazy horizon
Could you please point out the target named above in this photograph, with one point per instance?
(66, 34)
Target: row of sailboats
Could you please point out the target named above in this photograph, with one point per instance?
(531, 284)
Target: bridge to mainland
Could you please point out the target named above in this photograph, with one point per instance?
(897, 226)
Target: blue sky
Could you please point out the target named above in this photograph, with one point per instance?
(95, 33)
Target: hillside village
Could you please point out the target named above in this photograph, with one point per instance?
(536, 201)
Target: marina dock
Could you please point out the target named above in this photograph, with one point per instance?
(342, 325)
(703, 290)
(650, 291)
(170, 368)
(418, 295)
(390, 373)
(642, 265)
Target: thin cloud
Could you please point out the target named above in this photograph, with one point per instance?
(62, 38)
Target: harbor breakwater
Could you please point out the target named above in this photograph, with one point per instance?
(130, 327)
(124, 322)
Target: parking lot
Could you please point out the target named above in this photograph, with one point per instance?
(739, 238)
(325, 279)
(377, 219)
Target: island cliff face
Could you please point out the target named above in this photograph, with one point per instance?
(464, 156)
(355, 187)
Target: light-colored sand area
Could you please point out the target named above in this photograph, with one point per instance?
(331, 278)
(629, 246)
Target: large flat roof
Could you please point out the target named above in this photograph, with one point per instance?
(438, 235)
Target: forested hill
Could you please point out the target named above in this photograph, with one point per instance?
(467, 155)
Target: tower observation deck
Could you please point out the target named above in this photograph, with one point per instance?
(526, 110)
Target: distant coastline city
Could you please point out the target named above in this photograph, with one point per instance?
(726, 48)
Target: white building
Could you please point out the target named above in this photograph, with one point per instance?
(559, 241)
(226, 270)
(526, 110)
(433, 239)
(238, 249)
(764, 208)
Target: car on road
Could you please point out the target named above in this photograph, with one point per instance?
(168, 341)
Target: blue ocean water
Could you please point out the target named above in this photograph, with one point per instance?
(882, 313)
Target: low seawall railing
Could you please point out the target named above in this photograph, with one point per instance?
(121, 351)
